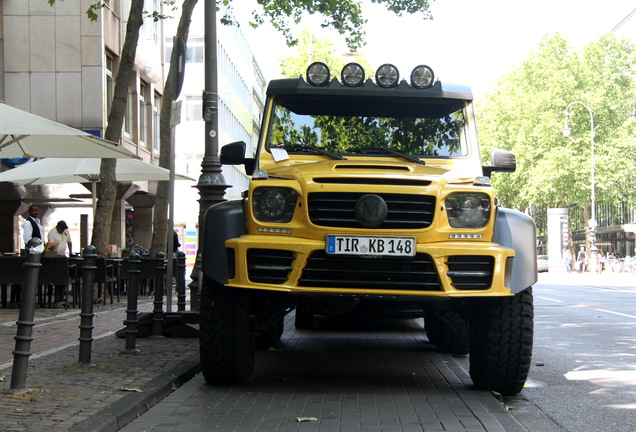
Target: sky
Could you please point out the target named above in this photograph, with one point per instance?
(468, 42)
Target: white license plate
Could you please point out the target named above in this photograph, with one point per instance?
(367, 245)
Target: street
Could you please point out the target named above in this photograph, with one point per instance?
(384, 376)
(584, 362)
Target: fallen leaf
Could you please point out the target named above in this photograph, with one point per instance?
(305, 419)
(131, 389)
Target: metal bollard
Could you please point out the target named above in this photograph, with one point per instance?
(131, 322)
(157, 313)
(194, 285)
(181, 288)
(26, 316)
(86, 315)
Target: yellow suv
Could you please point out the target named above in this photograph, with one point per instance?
(369, 195)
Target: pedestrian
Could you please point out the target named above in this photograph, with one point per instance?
(32, 226)
(61, 235)
(581, 260)
(567, 260)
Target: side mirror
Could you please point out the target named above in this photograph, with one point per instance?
(234, 154)
(502, 161)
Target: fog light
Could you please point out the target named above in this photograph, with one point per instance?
(387, 76)
(422, 77)
(352, 75)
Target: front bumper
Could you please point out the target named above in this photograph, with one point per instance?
(298, 265)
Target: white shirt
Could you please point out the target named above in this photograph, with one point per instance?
(27, 229)
(62, 239)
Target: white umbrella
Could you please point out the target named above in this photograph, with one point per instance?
(73, 170)
(24, 135)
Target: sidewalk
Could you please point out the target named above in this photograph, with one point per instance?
(68, 396)
(606, 279)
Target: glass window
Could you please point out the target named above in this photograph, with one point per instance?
(129, 109)
(143, 129)
(195, 52)
(194, 108)
(110, 83)
(156, 108)
(421, 128)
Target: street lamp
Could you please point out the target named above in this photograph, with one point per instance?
(567, 130)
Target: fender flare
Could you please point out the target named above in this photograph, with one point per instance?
(517, 231)
(222, 221)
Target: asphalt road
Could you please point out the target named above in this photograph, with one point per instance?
(584, 361)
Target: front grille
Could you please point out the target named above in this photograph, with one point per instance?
(471, 272)
(390, 273)
(336, 209)
(271, 266)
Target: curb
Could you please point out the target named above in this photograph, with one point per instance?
(117, 415)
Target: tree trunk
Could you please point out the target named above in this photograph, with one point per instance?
(160, 221)
(108, 192)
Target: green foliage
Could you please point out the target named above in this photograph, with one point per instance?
(525, 114)
(344, 16)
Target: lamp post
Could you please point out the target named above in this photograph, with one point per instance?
(592, 224)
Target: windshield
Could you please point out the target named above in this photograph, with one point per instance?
(366, 126)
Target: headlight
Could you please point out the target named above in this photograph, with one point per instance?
(273, 204)
(468, 210)
(422, 77)
(318, 74)
(352, 75)
(387, 76)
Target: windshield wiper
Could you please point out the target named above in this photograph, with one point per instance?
(391, 152)
(312, 149)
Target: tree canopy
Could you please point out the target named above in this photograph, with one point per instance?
(525, 114)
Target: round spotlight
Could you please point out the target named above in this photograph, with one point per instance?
(318, 74)
(422, 77)
(352, 75)
(387, 75)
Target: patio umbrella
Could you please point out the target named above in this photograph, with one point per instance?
(74, 170)
(24, 135)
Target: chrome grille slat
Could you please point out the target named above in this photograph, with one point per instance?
(337, 209)
(468, 272)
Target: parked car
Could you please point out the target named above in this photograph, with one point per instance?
(542, 263)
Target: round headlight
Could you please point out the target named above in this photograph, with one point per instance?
(352, 75)
(468, 210)
(387, 75)
(318, 74)
(422, 77)
(273, 204)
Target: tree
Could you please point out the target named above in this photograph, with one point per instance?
(160, 221)
(525, 114)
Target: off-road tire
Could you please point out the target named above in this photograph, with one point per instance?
(448, 331)
(226, 341)
(304, 319)
(501, 335)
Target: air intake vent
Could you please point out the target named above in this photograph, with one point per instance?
(470, 272)
(271, 266)
(372, 181)
(387, 273)
(336, 209)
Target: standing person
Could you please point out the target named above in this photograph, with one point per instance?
(581, 260)
(32, 226)
(567, 260)
(61, 235)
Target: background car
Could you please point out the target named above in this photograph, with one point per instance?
(542, 263)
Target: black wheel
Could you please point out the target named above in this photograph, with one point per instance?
(226, 341)
(448, 331)
(271, 336)
(501, 337)
(304, 319)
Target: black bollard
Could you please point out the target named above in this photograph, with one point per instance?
(86, 315)
(157, 313)
(181, 288)
(26, 316)
(131, 322)
(194, 284)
